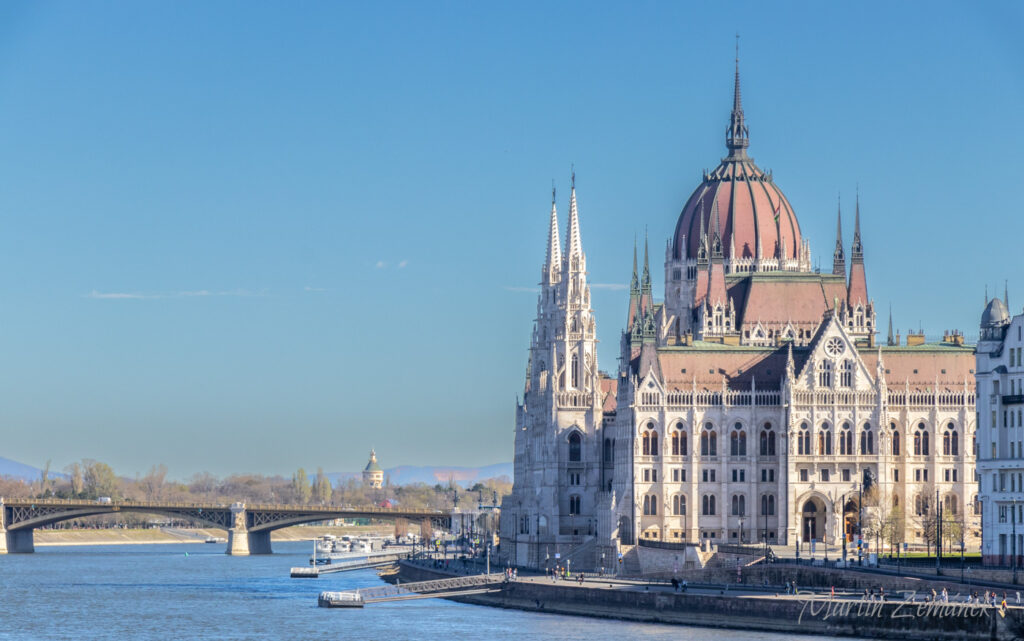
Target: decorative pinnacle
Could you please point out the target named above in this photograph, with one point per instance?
(646, 282)
(857, 250)
(737, 136)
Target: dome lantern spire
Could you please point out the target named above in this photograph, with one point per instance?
(737, 137)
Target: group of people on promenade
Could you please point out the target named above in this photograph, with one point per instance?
(563, 573)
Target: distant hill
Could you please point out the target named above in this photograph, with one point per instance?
(16, 470)
(406, 474)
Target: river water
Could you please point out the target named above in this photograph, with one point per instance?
(196, 591)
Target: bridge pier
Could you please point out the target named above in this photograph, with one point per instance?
(259, 542)
(20, 541)
(3, 528)
(238, 534)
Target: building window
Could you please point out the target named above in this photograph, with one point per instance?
(867, 440)
(709, 475)
(846, 374)
(803, 440)
(768, 505)
(679, 440)
(650, 505)
(738, 441)
(896, 476)
(895, 442)
(678, 505)
(767, 440)
(846, 440)
(708, 505)
(824, 476)
(921, 440)
(574, 505)
(846, 476)
(574, 478)
(708, 441)
(921, 505)
(950, 441)
(739, 505)
(824, 440)
(824, 373)
(803, 475)
(575, 445)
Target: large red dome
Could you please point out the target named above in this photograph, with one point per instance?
(750, 208)
(752, 212)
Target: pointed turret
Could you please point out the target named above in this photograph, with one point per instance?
(890, 339)
(1006, 293)
(634, 294)
(858, 291)
(736, 136)
(716, 270)
(573, 244)
(839, 256)
(553, 259)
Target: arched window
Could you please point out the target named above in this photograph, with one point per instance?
(921, 440)
(708, 505)
(867, 440)
(768, 505)
(895, 442)
(846, 374)
(950, 441)
(575, 371)
(708, 441)
(574, 446)
(846, 440)
(647, 505)
(678, 505)
(608, 450)
(679, 440)
(767, 440)
(574, 505)
(824, 373)
(825, 440)
(803, 440)
(654, 439)
(738, 441)
(951, 504)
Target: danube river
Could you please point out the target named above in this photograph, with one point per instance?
(196, 591)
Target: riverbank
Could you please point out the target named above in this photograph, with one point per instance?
(142, 536)
(900, 616)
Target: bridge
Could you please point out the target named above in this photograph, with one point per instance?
(437, 588)
(248, 526)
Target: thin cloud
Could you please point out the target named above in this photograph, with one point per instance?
(309, 288)
(381, 264)
(402, 264)
(611, 286)
(522, 289)
(196, 293)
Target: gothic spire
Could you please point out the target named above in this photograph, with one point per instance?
(1006, 293)
(857, 250)
(839, 256)
(573, 244)
(553, 260)
(716, 237)
(645, 284)
(737, 136)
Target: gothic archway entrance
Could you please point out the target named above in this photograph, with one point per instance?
(850, 521)
(813, 519)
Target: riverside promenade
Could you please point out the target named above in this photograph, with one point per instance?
(904, 614)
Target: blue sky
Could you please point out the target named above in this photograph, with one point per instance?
(243, 236)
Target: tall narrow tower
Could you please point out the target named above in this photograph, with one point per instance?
(557, 440)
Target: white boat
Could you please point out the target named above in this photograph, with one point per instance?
(340, 600)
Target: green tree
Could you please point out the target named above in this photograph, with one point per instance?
(74, 471)
(322, 487)
(300, 487)
(99, 480)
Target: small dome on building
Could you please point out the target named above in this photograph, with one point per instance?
(995, 314)
(373, 475)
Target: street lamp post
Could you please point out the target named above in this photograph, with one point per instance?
(843, 520)
(1013, 542)
(741, 530)
(860, 532)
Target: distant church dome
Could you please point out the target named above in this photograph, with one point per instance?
(995, 314)
(750, 208)
(373, 475)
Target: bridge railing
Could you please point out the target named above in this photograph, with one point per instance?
(281, 507)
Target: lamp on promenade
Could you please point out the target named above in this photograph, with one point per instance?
(842, 502)
(1013, 541)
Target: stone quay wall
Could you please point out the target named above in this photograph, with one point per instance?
(803, 614)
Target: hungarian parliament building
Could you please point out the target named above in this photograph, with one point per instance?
(755, 403)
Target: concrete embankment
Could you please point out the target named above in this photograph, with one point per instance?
(804, 614)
